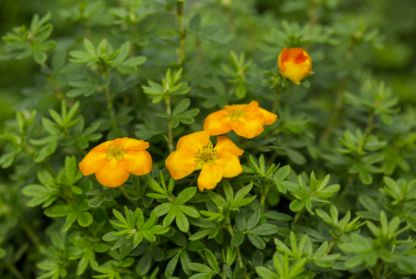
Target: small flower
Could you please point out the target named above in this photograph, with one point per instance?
(196, 152)
(245, 120)
(113, 161)
(295, 64)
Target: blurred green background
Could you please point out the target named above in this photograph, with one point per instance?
(395, 61)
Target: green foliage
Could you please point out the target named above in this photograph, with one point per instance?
(327, 191)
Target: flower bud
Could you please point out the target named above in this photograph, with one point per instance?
(295, 64)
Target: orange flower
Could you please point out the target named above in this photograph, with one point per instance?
(295, 64)
(245, 120)
(195, 152)
(114, 160)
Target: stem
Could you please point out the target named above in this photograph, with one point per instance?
(264, 195)
(355, 274)
(313, 16)
(133, 45)
(231, 25)
(370, 122)
(299, 216)
(82, 151)
(340, 94)
(15, 271)
(49, 168)
(55, 88)
(230, 230)
(377, 273)
(199, 252)
(170, 131)
(33, 236)
(386, 270)
(350, 181)
(107, 91)
(337, 110)
(330, 246)
(276, 101)
(126, 194)
(198, 49)
(182, 32)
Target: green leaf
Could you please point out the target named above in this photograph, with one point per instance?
(256, 241)
(297, 205)
(154, 185)
(170, 268)
(181, 106)
(199, 267)
(144, 264)
(212, 261)
(185, 195)
(237, 239)
(265, 229)
(41, 195)
(265, 273)
(182, 222)
(85, 219)
(89, 47)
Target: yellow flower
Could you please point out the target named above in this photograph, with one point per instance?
(295, 64)
(195, 152)
(245, 120)
(113, 161)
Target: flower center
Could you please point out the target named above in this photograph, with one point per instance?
(206, 156)
(235, 113)
(115, 152)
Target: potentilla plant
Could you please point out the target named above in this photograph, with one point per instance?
(206, 139)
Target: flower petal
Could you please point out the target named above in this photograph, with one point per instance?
(209, 177)
(137, 162)
(181, 163)
(193, 141)
(131, 144)
(225, 144)
(112, 174)
(102, 147)
(249, 126)
(93, 162)
(296, 72)
(252, 106)
(269, 118)
(217, 123)
(230, 164)
(282, 58)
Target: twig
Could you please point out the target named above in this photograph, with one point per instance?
(15, 271)
(33, 236)
(330, 246)
(276, 100)
(54, 87)
(182, 32)
(170, 131)
(230, 230)
(107, 90)
(299, 216)
(370, 122)
(351, 178)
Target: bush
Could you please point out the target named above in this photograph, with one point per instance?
(115, 164)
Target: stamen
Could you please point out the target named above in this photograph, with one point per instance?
(115, 152)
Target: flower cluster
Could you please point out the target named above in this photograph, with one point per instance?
(112, 162)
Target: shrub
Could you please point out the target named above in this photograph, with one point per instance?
(208, 139)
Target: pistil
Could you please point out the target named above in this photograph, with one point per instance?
(206, 156)
(115, 152)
